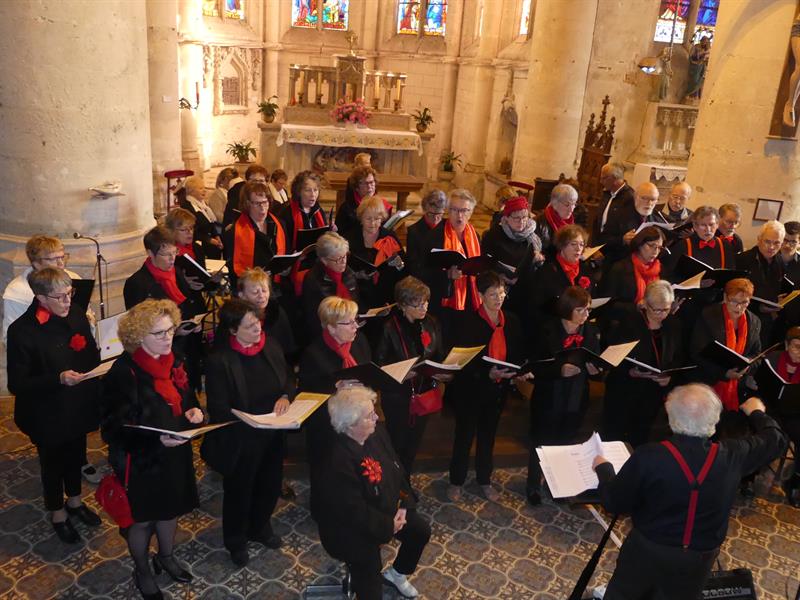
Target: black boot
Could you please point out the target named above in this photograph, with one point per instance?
(172, 567)
(157, 595)
(791, 488)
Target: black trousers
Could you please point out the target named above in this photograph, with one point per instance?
(251, 491)
(404, 430)
(365, 576)
(60, 466)
(649, 571)
(477, 416)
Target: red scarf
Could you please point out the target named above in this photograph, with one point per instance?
(497, 343)
(644, 274)
(343, 350)
(458, 299)
(728, 390)
(186, 249)
(573, 339)
(42, 314)
(783, 362)
(571, 270)
(249, 350)
(244, 242)
(160, 369)
(297, 221)
(167, 281)
(388, 207)
(341, 288)
(555, 220)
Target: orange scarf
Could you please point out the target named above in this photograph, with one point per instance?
(299, 223)
(497, 343)
(728, 390)
(167, 281)
(644, 274)
(244, 242)
(386, 247)
(458, 299)
(571, 270)
(721, 252)
(555, 220)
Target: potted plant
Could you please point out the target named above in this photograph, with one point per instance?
(241, 151)
(448, 163)
(268, 109)
(423, 118)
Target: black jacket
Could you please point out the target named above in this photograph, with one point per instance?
(371, 293)
(264, 249)
(623, 198)
(714, 257)
(546, 286)
(418, 246)
(45, 410)
(619, 223)
(318, 286)
(652, 488)
(319, 363)
(232, 207)
(284, 213)
(226, 389)
(354, 515)
(767, 277)
(142, 285)
(204, 230)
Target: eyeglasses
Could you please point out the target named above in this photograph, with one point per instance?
(460, 211)
(584, 310)
(60, 258)
(568, 204)
(771, 243)
(338, 260)
(419, 306)
(496, 295)
(654, 246)
(434, 215)
(576, 244)
(742, 304)
(164, 333)
(168, 254)
(185, 229)
(368, 182)
(261, 204)
(658, 311)
(679, 197)
(788, 242)
(519, 219)
(350, 323)
(372, 219)
(66, 297)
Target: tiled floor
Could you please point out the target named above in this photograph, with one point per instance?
(479, 549)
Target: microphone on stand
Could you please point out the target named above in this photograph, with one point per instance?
(99, 260)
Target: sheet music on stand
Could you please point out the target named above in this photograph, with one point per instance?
(568, 469)
(107, 337)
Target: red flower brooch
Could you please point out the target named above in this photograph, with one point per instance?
(180, 378)
(77, 342)
(584, 282)
(372, 470)
(425, 337)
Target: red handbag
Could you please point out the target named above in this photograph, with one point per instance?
(426, 403)
(113, 497)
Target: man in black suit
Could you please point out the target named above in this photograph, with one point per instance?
(789, 255)
(623, 223)
(616, 194)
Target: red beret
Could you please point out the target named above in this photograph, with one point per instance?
(514, 204)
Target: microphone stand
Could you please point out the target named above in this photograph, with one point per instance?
(99, 260)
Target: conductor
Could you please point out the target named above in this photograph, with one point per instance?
(679, 494)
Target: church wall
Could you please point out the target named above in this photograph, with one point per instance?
(732, 159)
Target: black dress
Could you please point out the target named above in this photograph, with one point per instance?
(356, 516)
(478, 400)
(162, 480)
(546, 286)
(418, 246)
(317, 286)
(767, 279)
(632, 405)
(558, 404)
(400, 340)
(250, 459)
(370, 292)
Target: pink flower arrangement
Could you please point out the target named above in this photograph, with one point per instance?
(353, 112)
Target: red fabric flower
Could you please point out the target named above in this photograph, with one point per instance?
(584, 282)
(372, 470)
(77, 342)
(180, 378)
(425, 337)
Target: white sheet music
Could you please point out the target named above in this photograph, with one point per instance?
(107, 338)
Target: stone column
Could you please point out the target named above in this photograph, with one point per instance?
(453, 40)
(74, 109)
(550, 117)
(165, 120)
(190, 59)
(732, 159)
(272, 38)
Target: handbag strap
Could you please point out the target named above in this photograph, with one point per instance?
(127, 470)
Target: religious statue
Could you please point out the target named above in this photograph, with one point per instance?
(698, 62)
(351, 39)
(794, 79)
(665, 73)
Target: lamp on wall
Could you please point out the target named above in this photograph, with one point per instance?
(649, 65)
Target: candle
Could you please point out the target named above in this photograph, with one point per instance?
(197, 92)
(377, 85)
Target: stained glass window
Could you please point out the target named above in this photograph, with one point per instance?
(408, 17)
(210, 8)
(234, 9)
(672, 21)
(335, 14)
(525, 18)
(706, 20)
(435, 17)
(304, 13)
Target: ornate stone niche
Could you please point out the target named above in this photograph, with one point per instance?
(232, 72)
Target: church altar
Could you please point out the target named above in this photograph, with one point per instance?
(307, 145)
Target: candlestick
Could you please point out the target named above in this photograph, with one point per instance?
(197, 93)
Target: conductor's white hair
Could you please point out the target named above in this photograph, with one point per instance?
(693, 410)
(348, 405)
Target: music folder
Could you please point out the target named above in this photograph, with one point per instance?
(281, 262)
(610, 357)
(456, 360)
(726, 358)
(302, 407)
(309, 237)
(400, 215)
(186, 434)
(388, 377)
(656, 370)
(83, 289)
(688, 266)
(782, 397)
(521, 369)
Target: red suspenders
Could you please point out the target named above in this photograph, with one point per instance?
(694, 483)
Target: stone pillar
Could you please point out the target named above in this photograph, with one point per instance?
(165, 120)
(272, 37)
(191, 72)
(732, 159)
(453, 40)
(550, 118)
(74, 108)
